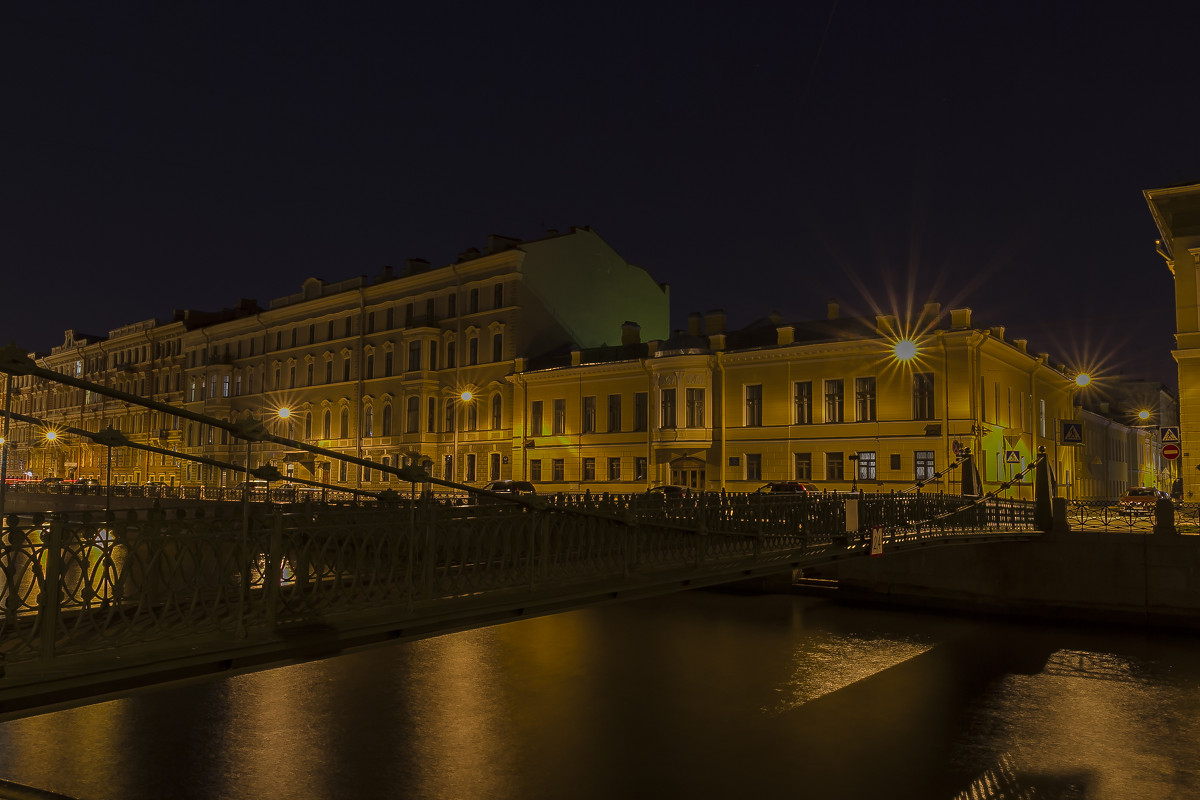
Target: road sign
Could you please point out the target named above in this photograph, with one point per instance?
(1072, 432)
(1169, 435)
(1170, 451)
(876, 541)
(1012, 456)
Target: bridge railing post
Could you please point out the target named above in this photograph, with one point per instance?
(51, 594)
(274, 567)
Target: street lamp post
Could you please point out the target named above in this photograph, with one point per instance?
(465, 396)
(853, 472)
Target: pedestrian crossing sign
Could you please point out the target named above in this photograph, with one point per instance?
(1169, 435)
(1012, 456)
(1072, 432)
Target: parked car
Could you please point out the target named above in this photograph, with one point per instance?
(154, 488)
(89, 486)
(1140, 500)
(668, 492)
(788, 487)
(509, 489)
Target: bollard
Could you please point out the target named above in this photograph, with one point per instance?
(1164, 516)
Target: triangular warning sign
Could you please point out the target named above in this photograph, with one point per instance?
(1072, 432)
(1170, 435)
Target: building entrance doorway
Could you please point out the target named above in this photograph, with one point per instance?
(688, 472)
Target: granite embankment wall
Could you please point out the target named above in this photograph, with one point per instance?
(1122, 577)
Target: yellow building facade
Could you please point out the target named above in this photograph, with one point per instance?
(1176, 212)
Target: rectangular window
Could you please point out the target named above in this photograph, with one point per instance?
(667, 418)
(803, 466)
(835, 467)
(535, 469)
(429, 315)
(640, 466)
(695, 408)
(866, 465)
(895, 459)
(923, 465)
(557, 471)
(329, 371)
(387, 364)
(641, 411)
(473, 301)
(498, 296)
(614, 469)
(369, 370)
(413, 414)
(414, 356)
(470, 468)
(560, 417)
(834, 400)
(754, 405)
(473, 351)
(431, 416)
(614, 413)
(497, 347)
(923, 395)
(535, 418)
(864, 399)
(452, 305)
(754, 466)
(589, 469)
(589, 415)
(803, 399)
(494, 467)
(410, 313)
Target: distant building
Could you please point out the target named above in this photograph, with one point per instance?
(1176, 212)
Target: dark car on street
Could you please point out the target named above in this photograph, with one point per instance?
(508, 489)
(788, 487)
(1140, 500)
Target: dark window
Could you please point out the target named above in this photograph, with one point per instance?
(497, 347)
(754, 466)
(560, 417)
(472, 415)
(449, 355)
(371, 322)
(450, 421)
(473, 301)
(414, 355)
(498, 296)
(614, 469)
(640, 464)
(614, 413)
(754, 405)
(387, 363)
(431, 415)
(695, 408)
(429, 315)
(556, 470)
(535, 418)
(387, 419)
(452, 305)
(589, 469)
(641, 411)
(834, 400)
(369, 372)
(390, 317)
(834, 467)
(589, 415)
(895, 459)
(803, 466)
(866, 465)
(497, 417)
(473, 351)
(494, 467)
(344, 424)
(470, 468)
(864, 399)
(535, 469)
(346, 368)
(413, 423)
(923, 395)
(329, 371)
(667, 417)
(410, 313)
(923, 465)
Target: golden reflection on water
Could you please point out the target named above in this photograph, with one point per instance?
(824, 664)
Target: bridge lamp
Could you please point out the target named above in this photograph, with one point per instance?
(51, 436)
(1143, 415)
(1083, 379)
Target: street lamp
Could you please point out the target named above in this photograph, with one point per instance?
(465, 396)
(853, 472)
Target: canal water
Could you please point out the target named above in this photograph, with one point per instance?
(696, 695)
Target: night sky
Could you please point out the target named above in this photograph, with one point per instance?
(756, 157)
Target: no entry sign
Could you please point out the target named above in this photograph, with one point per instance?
(1170, 451)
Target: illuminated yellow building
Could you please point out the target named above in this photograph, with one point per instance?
(840, 402)
(1176, 212)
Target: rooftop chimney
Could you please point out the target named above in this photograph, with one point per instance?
(714, 321)
(998, 332)
(631, 333)
(831, 309)
(785, 334)
(960, 318)
(694, 323)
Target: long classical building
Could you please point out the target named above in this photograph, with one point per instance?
(552, 361)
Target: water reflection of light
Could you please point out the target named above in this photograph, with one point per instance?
(825, 665)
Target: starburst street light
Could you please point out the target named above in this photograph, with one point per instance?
(1083, 379)
(905, 350)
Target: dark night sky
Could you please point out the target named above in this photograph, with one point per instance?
(756, 157)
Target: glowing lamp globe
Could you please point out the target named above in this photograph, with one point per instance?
(905, 349)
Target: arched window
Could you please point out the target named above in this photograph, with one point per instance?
(327, 430)
(368, 420)
(308, 426)
(344, 424)
(472, 416)
(496, 416)
(387, 419)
